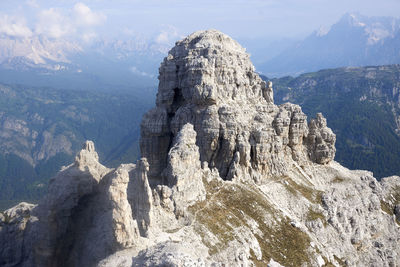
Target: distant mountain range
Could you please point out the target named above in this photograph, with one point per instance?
(41, 129)
(36, 52)
(355, 40)
(62, 63)
(362, 106)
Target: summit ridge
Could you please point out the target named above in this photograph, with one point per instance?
(208, 80)
(226, 178)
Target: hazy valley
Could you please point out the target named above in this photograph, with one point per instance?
(362, 106)
(41, 129)
(227, 177)
(192, 155)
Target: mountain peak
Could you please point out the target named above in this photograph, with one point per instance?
(353, 20)
(208, 80)
(227, 178)
(211, 38)
(87, 153)
(208, 53)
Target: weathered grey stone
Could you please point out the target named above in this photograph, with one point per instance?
(207, 80)
(15, 239)
(65, 193)
(89, 213)
(397, 212)
(103, 218)
(168, 254)
(227, 179)
(140, 197)
(184, 173)
(321, 141)
(273, 263)
(268, 93)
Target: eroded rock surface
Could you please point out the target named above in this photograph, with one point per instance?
(227, 178)
(207, 80)
(320, 140)
(15, 244)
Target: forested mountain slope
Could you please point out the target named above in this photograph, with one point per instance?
(362, 105)
(41, 129)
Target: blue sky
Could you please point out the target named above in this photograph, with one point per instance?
(167, 20)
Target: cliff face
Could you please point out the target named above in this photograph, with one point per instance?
(207, 80)
(41, 129)
(227, 178)
(362, 105)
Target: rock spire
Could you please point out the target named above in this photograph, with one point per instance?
(227, 178)
(208, 80)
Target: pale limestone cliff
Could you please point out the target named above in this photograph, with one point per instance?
(207, 80)
(227, 178)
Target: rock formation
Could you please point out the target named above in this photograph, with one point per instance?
(227, 178)
(207, 80)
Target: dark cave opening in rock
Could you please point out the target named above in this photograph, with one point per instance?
(253, 155)
(178, 100)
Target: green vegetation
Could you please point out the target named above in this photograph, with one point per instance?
(18, 181)
(230, 206)
(360, 105)
(51, 117)
(313, 215)
(311, 194)
(386, 208)
(340, 261)
(393, 200)
(338, 179)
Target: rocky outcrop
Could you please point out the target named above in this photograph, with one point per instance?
(320, 141)
(227, 179)
(184, 173)
(200, 73)
(208, 80)
(89, 212)
(363, 106)
(140, 196)
(15, 223)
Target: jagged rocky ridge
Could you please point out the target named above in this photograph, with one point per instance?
(227, 178)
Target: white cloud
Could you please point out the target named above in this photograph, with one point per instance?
(163, 37)
(52, 23)
(58, 23)
(89, 36)
(142, 73)
(167, 36)
(14, 27)
(86, 17)
(129, 32)
(32, 3)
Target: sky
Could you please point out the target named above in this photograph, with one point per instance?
(168, 20)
